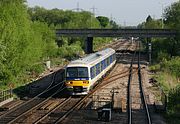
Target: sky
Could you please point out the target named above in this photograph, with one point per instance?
(124, 12)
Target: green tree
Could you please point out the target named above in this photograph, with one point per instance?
(104, 21)
(151, 23)
(23, 43)
(15, 32)
(114, 25)
(172, 15)
(172, 20)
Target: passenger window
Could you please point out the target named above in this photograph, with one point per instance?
(111, 59)
(108, 61)
(93, 74)
(97, 69)
(102, 67)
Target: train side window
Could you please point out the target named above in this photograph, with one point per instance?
(102, 65)
(114, 56)
(108, 61)
(93, 72)
(92, 75)
(98, 68)
(111, 58)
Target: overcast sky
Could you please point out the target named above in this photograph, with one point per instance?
(124, 12)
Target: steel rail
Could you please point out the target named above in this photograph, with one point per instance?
(123, 72)
(46, 115)
(42, 101)
(70, 110)
(90, 94)
(67, 112)
(18, 107)
(142, 92)
(129, 91)
(29, 105)
(83, 99)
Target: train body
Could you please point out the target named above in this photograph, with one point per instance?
(82, 74)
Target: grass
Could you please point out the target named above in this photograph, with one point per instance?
(170, 85)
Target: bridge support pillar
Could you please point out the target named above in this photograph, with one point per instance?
(89, 45)
(149, 46)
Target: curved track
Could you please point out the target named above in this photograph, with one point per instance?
(43, 109)
(16, 113)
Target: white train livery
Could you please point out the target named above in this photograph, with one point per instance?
(82, 74)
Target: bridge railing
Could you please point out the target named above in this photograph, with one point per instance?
(117, 32)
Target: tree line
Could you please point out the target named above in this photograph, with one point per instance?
(27, 38)
(166, 58)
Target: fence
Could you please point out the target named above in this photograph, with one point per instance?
(6, 94)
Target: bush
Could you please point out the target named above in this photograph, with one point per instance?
(37, 69)
(70, 51)
(172, 66)
(174, 105)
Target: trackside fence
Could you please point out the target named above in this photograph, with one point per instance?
(6, 94)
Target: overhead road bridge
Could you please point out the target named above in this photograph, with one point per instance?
(117, 32)
(90, 33)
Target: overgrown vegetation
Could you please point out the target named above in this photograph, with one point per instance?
(166, 59)
(173, 112)
(27, 39)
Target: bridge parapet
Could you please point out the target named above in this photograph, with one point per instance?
(117, 32)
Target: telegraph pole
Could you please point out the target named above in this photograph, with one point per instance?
(78, 9)
(94, 12)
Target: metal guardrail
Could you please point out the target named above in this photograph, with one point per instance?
(6, 94)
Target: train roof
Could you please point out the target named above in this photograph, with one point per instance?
(90, 59)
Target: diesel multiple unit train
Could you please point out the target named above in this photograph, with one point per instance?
(82, 74)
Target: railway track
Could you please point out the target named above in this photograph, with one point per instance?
(33, 111)
(57, 113)
(81, 101)
(16, 113)
(138, 111)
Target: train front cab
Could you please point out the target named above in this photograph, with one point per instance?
(77, 80)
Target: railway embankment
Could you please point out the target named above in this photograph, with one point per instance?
(166, 76)
(35, 87)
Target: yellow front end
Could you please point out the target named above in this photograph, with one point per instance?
(77, 87)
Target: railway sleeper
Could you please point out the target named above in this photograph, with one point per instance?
(46, 105)
(51, 106)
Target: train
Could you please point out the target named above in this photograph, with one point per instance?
(81, 75)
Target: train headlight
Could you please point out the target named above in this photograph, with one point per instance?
(69, 82)
(85, 82)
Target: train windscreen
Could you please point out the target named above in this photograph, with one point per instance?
(77, 72)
